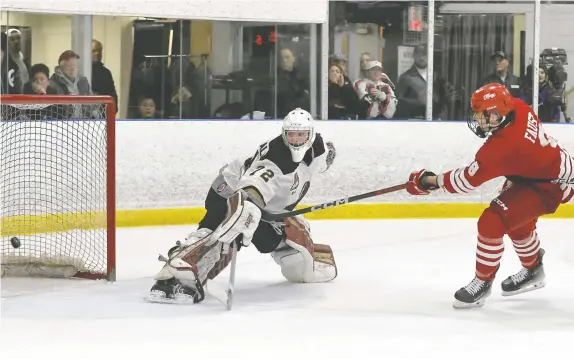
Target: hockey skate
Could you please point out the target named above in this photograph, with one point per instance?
(525, 280)
(473, 295)
(171, 291)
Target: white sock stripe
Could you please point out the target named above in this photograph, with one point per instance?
(527, 249)
(488, 255)
(489, 247)
(525, 242)
(488, 240)
(488, 263)
(530, 253)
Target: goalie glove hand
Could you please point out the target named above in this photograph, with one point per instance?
(416, 185)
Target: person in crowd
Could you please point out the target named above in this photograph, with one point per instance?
(39, 83)
(364, 59)
(9, 83)
(147, 108)
(341, 62)
(102, 79)
(292, 84)
(15, 51)
(343, 101)
(377, 97)
(412, 90)
(502, 74)
(549, 98)
(66, 79)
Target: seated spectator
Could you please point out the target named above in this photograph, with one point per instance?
(66, 80)
(377, 97)
(549, 97)
(39, 83)
(343, 101)
(502, 74)
(147, 108)
(364, 59)
(10, 78)
(341, 62)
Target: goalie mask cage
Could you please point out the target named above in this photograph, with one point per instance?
(57, 186)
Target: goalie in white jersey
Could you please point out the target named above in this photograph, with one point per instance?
(275, 179)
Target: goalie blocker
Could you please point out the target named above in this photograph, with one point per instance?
(205, 252)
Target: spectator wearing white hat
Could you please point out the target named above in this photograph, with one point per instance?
(377, 96)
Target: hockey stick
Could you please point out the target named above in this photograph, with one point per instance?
(231, 287)
(518, 179)
(277, 217)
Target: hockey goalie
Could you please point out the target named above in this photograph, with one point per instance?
(275, 180)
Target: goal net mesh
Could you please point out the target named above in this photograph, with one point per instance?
(53, 173)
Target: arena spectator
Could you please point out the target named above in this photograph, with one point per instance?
(343, 101)
(15, 50)
(377, 97)
(340, 61)
(8, 69)
(364, 59)
(412, 89)
(502, 74)
(549, 98)
(102, 79)
(292, 85)
(66, 79)
(147, 108)
(39, 83)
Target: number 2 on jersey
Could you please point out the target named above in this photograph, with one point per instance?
(267, 175)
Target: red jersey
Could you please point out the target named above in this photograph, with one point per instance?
(521, 149)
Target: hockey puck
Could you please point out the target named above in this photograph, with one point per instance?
(15, 242)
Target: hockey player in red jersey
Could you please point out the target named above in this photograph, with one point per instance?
(539, 177)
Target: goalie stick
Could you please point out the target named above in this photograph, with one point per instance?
(270, 217)
(231, 285)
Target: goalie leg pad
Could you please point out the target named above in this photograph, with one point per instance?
(302, 261)
(189, 266)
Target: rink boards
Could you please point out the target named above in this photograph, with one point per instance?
(164, 169)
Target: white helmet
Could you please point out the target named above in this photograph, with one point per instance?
(298, 133)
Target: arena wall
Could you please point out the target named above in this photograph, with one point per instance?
(164, 169)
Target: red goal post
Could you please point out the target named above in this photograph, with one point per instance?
(57, 186)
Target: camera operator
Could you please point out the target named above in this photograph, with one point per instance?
(555, 59)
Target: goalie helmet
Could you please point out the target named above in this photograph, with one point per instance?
(492, 106)
(298, 133)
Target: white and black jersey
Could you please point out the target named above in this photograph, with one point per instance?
(272, 174)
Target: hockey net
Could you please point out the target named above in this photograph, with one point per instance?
(57, 186)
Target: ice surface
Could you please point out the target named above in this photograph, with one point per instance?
(392, 299)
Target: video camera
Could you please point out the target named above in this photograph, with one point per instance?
(555, 60)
